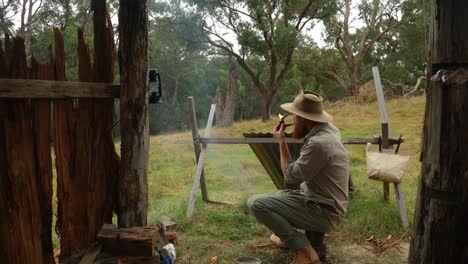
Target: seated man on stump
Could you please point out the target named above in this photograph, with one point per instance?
(322, 169)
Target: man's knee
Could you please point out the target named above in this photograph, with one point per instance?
(255, 203)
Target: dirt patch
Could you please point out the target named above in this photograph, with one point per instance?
(361, 254)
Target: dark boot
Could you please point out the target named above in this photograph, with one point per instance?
(316, 241)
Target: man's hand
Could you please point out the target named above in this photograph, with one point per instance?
(278, 132)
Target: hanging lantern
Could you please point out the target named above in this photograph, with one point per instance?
(154, 86)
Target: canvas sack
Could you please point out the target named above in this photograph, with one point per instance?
(387, 167)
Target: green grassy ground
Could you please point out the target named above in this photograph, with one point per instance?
(233, 174)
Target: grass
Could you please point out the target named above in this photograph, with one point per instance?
(233, 174)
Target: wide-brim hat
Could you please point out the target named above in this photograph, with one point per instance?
(309, 106)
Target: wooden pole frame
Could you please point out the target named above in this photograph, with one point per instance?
(201, 159)
(387, 145)
(196, 145)
(200, 152)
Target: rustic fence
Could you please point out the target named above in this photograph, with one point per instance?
(87, 164)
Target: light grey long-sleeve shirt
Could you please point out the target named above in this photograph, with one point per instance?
(323, 169)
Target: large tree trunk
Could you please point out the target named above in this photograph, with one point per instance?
(133, 186)
(266, 104)
(231, 94)
(219, 102)
(441, 231)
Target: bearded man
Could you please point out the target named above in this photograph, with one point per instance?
(322, 169)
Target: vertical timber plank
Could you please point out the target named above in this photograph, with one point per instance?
(196, 146)
(133, 41)
(20, 222)
(70, 224)
(42, 128)
(104, 173)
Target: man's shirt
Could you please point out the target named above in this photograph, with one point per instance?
(323, 169)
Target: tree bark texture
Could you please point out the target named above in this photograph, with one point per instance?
(42, 128)
(226, 102)
(219, 102)
(231, 94)
(87, 164)
(24, 172)
(441, 231)
(133, 186)
(266, 105)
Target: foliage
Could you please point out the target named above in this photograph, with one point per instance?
(267, 33)
(379, 18)
(402, 56)
(190, 66)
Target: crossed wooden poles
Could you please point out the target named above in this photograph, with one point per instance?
(200, 145)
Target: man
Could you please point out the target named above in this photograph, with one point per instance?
(323, 169)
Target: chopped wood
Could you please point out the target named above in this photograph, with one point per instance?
(91, 254)
(107, 259)
(131, 241)
(168, 223)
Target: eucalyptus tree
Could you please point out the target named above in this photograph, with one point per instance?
(261, 35)
(354, 36)
(8, 9)
(402, 55)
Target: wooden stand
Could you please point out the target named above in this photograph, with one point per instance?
(385, 145)
(200, 151)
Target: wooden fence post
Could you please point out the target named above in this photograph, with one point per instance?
(384, 117)
(441, 230)
(196, 145)
(201, 159)
(133, 185)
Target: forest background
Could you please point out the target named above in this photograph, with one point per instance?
(248, 56)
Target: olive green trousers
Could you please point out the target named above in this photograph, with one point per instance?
(285, 211)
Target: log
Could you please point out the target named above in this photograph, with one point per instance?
(106, 259)
(131, 241)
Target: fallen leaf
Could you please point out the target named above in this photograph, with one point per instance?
(213, 260)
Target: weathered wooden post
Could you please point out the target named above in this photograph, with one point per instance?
(133, 185)
(441, 230)
(384, 117)
(196, 145)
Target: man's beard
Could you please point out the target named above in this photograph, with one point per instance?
(300, 131)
